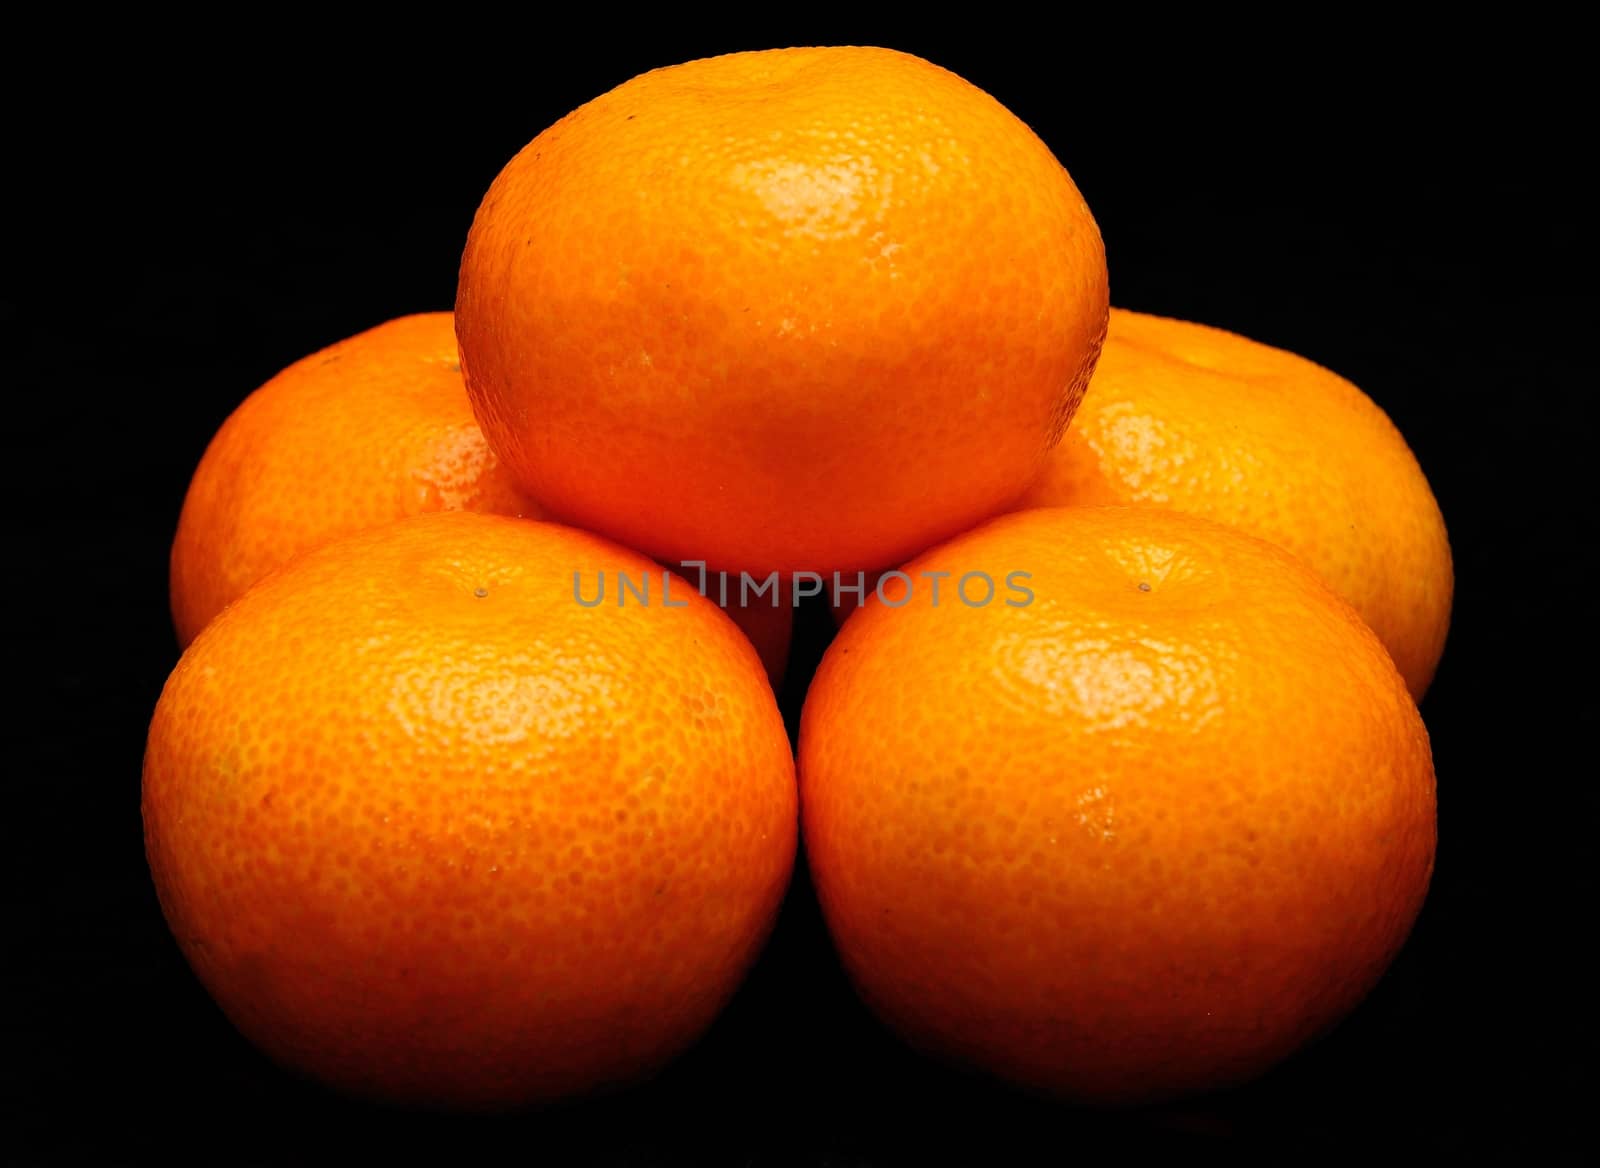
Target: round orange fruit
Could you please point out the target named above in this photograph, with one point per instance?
(431, 830)
(798, 310)
(1155, 815)
(372, 429)
(369, 430)
(1199, 420)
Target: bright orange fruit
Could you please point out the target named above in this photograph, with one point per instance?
(1204, 421)
(430, 830)
(367, 431)
(807, 309)
(1147, 834)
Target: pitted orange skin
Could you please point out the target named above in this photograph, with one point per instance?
(1199, 420)
(1146, 835)
(807, 309)
(430, 831)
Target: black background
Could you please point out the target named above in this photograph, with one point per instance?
(1411, 216)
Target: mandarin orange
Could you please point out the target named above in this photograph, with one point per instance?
(798, 310)
(366, 431)
(1158, 814)
(431, 831)
(1200, 420)
(369, 430)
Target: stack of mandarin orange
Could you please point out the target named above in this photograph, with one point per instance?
(1115, 785)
